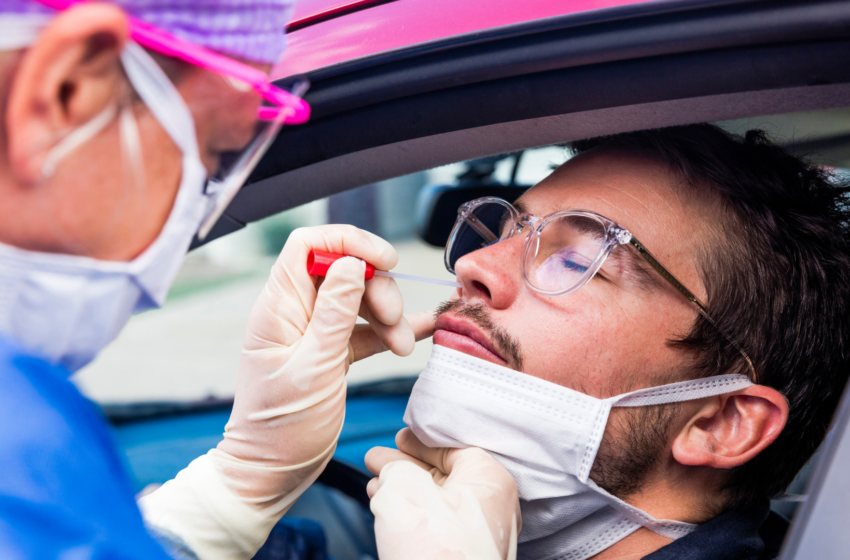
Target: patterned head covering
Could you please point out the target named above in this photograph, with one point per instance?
(249, 29)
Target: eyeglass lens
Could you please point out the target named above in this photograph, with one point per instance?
(561, 257)
(481, 227)
(565, 253)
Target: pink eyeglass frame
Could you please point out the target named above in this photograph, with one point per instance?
(295, 109)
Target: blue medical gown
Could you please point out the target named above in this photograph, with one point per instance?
(63, 489)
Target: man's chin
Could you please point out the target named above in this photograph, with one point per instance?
(464, 344)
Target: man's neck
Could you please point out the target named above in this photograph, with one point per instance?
(674, 493)
(637, 545)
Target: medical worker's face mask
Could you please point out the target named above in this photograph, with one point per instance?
(547, 436)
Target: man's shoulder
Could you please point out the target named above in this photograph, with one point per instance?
(61, 473)
(739, 534)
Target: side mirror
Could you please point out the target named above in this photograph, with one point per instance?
(437, 205)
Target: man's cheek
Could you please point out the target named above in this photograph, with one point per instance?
(588, 351)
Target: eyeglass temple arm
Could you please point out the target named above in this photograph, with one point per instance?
(161, 41)
(657, 266)
(482, 230)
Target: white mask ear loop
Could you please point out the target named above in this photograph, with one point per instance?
(674, 392)
(683, 391)
(76, 139)
(133, 164)
(131, 150)
(131, 146)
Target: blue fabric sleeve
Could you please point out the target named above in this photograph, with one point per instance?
(63, 488)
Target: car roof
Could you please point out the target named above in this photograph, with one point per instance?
(324, 33)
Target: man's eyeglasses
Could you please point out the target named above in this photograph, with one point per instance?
(561, 252)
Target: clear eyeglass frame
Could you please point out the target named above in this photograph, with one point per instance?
(614, 236)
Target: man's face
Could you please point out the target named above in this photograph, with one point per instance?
(612, 335)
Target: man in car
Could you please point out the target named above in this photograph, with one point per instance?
(652, 341)
(105, 148)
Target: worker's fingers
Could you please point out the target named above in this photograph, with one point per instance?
(406, 482)
(374, 484)
(365, 341)
(439, 457)
(290, 269)
(336, 307)
(285, 307)
(422, 323)
(341, 239)
(372, 487)
(398, 338)
(469, 466)
(383, 298)
(378, 457)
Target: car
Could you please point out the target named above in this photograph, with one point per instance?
(403, 86)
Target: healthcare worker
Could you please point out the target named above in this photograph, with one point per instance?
(105, 150)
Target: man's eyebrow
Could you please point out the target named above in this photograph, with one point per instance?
(521, 207)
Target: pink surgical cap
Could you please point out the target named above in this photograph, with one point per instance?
(250, 29)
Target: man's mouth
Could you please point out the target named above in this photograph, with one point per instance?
(461, 335)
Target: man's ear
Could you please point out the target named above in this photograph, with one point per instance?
(729, 430)
(69, 76)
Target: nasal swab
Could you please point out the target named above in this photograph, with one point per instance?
(418, 278)
(318, 263)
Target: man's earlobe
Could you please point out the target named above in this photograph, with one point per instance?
(729, 430)
(68, 77)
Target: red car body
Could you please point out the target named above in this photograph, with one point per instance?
(328, 32)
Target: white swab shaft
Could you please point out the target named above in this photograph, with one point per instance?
(418, 278)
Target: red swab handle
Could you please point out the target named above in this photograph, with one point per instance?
(318, 263)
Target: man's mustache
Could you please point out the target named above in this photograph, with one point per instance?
(508, 346)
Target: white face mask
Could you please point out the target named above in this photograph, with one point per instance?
(67, 308)
(547, 437)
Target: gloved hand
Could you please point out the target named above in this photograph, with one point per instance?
(290, 393)
(442, 503)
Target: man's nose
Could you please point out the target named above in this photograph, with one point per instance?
(492, 273)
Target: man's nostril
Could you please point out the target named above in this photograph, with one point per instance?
(481, 287)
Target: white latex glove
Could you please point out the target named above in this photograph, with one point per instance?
(290, 393)
(442, 503)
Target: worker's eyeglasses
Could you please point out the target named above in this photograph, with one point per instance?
(294, 109)
(561, 252)
(282, 107)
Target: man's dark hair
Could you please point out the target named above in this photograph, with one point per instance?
(777, 275)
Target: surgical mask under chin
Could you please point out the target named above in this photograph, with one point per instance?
(547, 437)
(66, 308)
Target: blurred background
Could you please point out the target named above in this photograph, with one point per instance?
(189, 349)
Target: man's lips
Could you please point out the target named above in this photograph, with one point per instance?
(459, 334)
